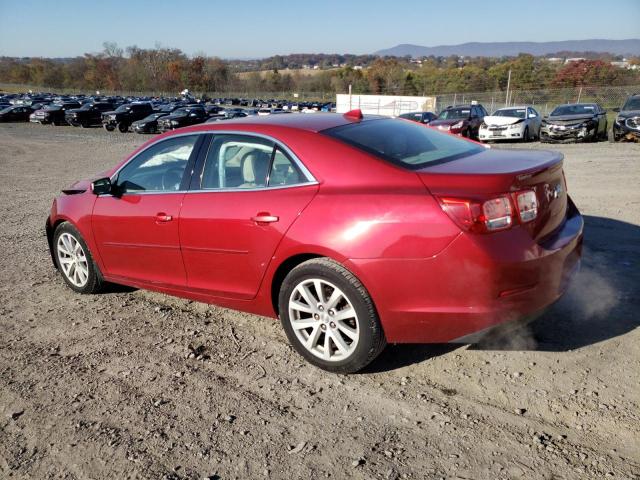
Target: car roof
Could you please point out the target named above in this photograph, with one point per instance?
(313, 122)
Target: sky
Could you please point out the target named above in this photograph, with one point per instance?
(261, 28)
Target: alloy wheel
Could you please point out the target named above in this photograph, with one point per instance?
(324, 319)
(73, 260)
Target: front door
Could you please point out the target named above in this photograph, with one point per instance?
(249, 194)
(136, 228)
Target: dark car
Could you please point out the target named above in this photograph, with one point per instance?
(53, 114)
(464, 120)
(148, 124)
(420, 117)
(574, 122)
(123, 116)
(182, 117)
(88, 115)
(627, 122)
(16, 113)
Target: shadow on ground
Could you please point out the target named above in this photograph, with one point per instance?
(602, 303)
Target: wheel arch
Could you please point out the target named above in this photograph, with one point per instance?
(283, 270)
(51, 230)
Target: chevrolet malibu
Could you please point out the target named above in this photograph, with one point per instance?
(355, 231)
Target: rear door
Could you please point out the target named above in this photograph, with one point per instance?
(248, 192)
(136, 230)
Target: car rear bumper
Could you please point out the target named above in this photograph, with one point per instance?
(477, 282)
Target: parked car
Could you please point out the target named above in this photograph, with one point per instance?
(123, 116)
(461, 120)
(574, 122)
(511, 123)
(16, 113)
(442, 238)
(183, 117)
(420, 117)
(148, 124)
(53, 114)
(90, 114)
(627, 122)
(227, 116)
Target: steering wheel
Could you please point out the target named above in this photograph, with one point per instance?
(171, 179)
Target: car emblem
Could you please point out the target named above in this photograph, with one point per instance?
(552, 192)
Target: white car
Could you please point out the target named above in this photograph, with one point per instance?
(511, 123)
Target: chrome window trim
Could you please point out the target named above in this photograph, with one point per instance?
(305, 171)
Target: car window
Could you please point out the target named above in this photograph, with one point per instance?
(408, 144)
(243, 161)
(158, 168)
(237, 161)
(284, 171)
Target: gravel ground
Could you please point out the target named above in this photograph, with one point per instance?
(133, 384)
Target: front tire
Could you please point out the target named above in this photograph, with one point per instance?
(123, 127)
(525, 135)
(74, 260)
(108, 127)
(329, 317)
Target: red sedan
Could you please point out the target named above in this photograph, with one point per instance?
(354, 231)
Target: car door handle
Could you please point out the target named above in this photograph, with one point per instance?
(265, 218)
(163, 218)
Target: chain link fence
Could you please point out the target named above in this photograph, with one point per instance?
(543, 100)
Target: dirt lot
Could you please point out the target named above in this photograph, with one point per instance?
(95, 387)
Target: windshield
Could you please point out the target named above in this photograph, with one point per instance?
(5, 110)
(86, 106)
(123, 108)
(50, 108)
(510, 112)
(632, 104)
(409, 144)
(181, 112)
(574, 110)
(454, 114)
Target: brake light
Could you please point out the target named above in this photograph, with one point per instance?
(494, 214)
(527, 205)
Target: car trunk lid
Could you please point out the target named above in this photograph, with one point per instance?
(495, 172)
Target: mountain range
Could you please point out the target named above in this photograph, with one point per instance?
(502, 49)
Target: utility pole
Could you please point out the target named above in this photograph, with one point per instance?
(349, 97)
(506, 101)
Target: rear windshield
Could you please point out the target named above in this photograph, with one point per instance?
(411, 145)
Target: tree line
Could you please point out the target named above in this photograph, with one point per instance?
(170, 70)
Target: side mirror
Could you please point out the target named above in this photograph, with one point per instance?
(102, 186)
(532, 115)
(616, 110)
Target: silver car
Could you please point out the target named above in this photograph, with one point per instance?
(511, 123)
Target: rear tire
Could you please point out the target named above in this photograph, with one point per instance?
(342, 332)
(74, 260)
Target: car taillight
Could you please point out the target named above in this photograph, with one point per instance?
(527, 205)
(493, 214)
